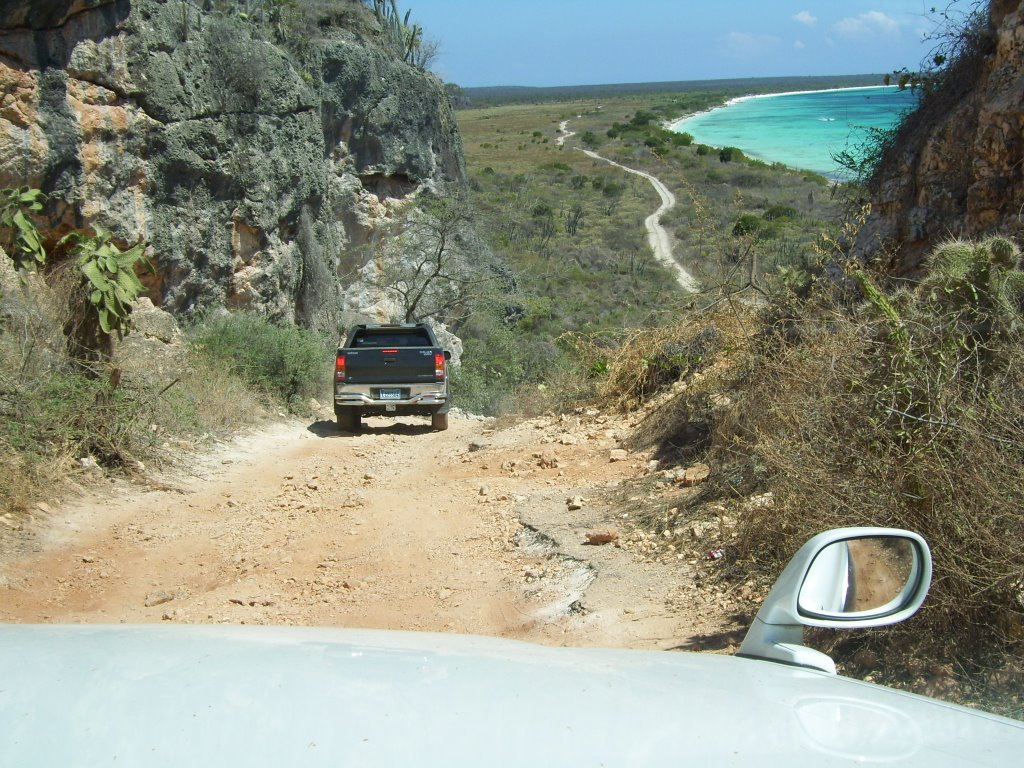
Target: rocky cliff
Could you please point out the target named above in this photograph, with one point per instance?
(957, 166)
(254, 166)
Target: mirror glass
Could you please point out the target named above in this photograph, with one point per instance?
(855, 577)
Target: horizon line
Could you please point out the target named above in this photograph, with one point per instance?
(669, 82)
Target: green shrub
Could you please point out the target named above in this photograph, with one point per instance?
(780, 212)
(728, 154)
(747, 224)
(492, 366)
(284, 361)
(643, 117)
(70, 414)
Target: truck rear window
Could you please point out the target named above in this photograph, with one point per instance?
(411, 339)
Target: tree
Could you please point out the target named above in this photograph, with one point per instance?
(574, 219)
(436, 265)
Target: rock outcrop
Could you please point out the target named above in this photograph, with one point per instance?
(254, 170)
(957, 167)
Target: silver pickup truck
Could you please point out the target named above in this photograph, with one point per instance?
(391, 370)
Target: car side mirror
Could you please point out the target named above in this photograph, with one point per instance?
(447, 355)
(843, 578)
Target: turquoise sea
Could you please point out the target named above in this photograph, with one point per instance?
(801, 130)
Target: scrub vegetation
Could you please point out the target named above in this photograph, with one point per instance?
(865, 402)
(571, 230)
(66, 415)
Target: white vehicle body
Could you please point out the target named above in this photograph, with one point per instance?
(274, 696)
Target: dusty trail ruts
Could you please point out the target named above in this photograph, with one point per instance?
(397, 527)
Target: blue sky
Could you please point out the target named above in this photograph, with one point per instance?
(577, 42)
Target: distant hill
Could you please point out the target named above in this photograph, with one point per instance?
(513, 94)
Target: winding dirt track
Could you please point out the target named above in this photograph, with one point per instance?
(657, 236)
(397, 527)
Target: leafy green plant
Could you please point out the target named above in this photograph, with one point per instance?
(20, 236)
(110, 277)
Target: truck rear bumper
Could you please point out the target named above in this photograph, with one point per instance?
(414, 399)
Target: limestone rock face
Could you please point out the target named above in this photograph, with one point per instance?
(959, 171)
(259, 178)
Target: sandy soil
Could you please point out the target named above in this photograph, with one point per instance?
(467, 530)
(563, 133)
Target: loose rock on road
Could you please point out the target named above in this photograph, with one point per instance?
(397, 527)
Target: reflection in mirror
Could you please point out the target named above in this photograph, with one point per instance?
(858, 576)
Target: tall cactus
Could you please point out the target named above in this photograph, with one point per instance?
(404, 38)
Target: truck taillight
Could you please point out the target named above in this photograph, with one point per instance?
(439, 368)
(339, 368)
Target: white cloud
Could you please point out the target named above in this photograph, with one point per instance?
(804, 17)
(745, 45)
(870, 24)
(799, 45)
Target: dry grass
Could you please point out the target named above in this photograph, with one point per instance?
(902, 410)
(639, 363)
(56, 411)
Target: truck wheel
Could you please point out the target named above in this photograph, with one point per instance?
(439, 422)
(349, 419)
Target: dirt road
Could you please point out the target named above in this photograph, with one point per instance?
(398, 527)
(657, 236)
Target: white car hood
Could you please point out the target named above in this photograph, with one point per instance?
(260, 696)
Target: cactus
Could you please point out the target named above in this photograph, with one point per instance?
(977, 280)
(1005, 253)
(405, 38)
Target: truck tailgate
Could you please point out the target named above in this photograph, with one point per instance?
(408, 365)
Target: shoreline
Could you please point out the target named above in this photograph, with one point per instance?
(674, 125)
(678, 125)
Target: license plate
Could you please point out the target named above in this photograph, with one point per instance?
(391, 394)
